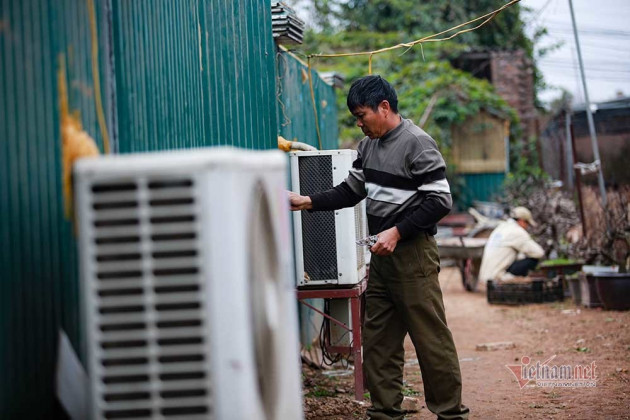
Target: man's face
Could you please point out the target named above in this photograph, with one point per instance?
(372, 123)
(523, 223)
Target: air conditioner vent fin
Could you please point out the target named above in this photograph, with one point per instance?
(170, 183)
(147, 285)
(115, 187)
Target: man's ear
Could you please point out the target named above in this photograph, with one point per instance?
(385, 106)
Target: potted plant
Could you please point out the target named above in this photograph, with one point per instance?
(605, 280)
(557, 215)
(613, 288)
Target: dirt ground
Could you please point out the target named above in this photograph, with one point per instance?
(575, 335)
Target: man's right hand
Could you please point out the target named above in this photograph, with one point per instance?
(299, 202)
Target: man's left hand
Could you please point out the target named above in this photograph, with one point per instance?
(387, 241)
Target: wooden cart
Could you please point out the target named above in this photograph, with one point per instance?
(467, 253)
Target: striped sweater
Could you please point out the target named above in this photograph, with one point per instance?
(403, 177)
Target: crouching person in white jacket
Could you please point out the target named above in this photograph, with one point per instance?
(508, 242)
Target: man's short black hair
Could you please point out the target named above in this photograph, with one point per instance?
(371, 91)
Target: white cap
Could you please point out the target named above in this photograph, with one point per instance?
(524, 214)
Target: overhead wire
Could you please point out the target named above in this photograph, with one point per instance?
(538, 13)
(594, 37)
(591, 32)
(618, 63)
(586, 29)
(430, 38)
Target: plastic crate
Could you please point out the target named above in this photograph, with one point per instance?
(536, 291)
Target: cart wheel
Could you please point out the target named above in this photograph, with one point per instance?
(469, 277)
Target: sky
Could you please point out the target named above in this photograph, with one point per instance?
(604, 34)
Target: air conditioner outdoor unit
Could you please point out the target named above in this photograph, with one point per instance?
(188, 306)
(325, 242)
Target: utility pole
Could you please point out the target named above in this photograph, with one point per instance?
(589, 114)
(569, 146)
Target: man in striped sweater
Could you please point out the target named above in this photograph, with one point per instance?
(401, 173)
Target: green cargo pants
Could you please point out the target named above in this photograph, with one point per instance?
(403, 296)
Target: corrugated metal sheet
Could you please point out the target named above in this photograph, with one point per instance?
(481, 187)
(38, 276)
(296, 118)
(194, 73)
(296, 121)
(186, 74)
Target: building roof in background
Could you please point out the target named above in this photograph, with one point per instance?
(619, 103)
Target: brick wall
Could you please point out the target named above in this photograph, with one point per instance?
(513, 78)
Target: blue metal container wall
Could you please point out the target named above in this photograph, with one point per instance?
(38, 264)
(482, 187)
(296, 119)
(194, 73)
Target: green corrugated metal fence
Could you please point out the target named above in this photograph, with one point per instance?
(296, 121)
(38, 281)
(173, 75)
(481, 187)
(194, 73)
(296, 118)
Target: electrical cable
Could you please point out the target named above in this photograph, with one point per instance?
(329, 359)
(324, 333)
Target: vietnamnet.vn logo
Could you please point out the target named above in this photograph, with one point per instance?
(544, 374)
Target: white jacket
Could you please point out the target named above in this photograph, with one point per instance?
(504, 244)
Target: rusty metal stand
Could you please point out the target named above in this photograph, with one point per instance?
(355, 294)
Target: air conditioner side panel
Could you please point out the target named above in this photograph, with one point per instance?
(346, 246)
(345, 225)
(227, 295)
(86, 266)
(341, 310)
(288, 345)
(297, 223)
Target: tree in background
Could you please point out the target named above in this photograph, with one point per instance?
(413, 18)
(429, 87)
